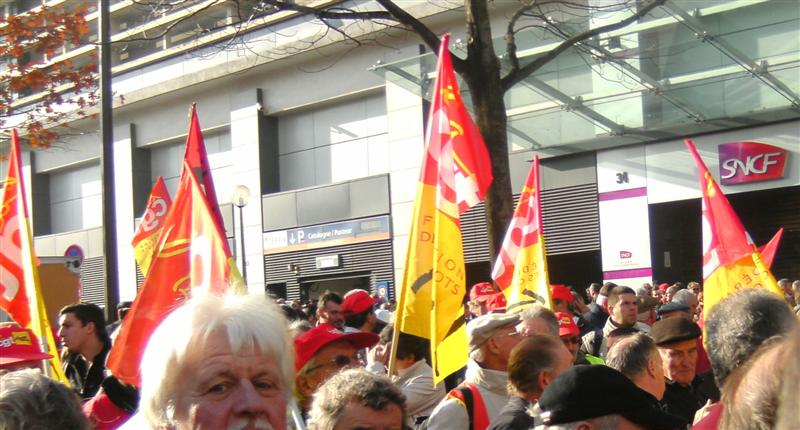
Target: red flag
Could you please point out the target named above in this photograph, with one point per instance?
(197, 159)
(20, 294)
(188, 255)
(455, 174)
(730, 261)
(144, 241)
(521, 266)
(768, 251)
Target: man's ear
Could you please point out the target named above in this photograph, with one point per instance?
(584, 425)
(303, 385)
(651, 368)
(90, 327)
(544, 379)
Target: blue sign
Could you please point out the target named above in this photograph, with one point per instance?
(319, 236)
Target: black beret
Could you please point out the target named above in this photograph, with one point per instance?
(586, 392)
(673, 330)
(672, 307)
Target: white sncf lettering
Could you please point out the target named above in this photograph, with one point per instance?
(758, 164)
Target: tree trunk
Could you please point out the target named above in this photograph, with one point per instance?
(483, 79)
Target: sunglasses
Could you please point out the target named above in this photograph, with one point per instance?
(339, 362)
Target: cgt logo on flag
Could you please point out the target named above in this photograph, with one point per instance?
(743, 162)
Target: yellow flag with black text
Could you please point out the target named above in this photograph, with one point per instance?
(455, 174)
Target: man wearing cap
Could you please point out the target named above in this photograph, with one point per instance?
(599, 397)
(623, 310)
(19, 349)
(484, 298)
(358, 310)
(570, 336)
(491, 339)
(322, 352)
(676, 339)
(561, 296)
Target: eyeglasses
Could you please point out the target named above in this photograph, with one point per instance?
(340, 362)
(571, 339)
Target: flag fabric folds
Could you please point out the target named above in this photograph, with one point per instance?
(770, 248)
(20, 293)
(521, 266)
(146, 236)
(189, 255)
(730, 261)
(455, 174)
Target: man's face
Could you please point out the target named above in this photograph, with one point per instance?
(680, 359)
(693, 304)
(74, 333)
(572, 343)
(328, 361)
(356, 416)
(230, 390)
(625, 310)
(560, 305)
(532, 326)
(506, 338)
(331, 313)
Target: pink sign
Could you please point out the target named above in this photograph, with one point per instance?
(743, 162)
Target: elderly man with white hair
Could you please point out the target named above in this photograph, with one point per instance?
(218, 362)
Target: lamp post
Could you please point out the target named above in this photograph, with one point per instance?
(241, 197)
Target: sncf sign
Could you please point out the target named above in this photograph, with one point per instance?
(742, 162)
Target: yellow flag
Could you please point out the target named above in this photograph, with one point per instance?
(455, 175)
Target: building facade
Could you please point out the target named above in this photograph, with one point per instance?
(329, 134)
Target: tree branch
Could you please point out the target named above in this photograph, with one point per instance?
(520, 73)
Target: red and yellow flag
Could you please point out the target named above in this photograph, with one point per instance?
(144, 241)
(521, 267)
(455, 174)
(769, 249)
(20, 294)
(189, 255)
(730, 261)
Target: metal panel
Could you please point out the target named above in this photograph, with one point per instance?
(92, 285)
(570, 217)
(373, 258)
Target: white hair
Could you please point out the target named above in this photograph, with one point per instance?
(685, 297)
(248, 321)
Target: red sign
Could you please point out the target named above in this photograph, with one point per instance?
(743, 162)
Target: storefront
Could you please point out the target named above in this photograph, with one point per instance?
(650, 201)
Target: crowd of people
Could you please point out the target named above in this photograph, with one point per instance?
(614, 358)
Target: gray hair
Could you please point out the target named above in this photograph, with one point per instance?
(32, 401)
(739, 324)
(537, 311)
(352, 386)
(608, 422)
(686, 297)
(630, 355)
(248, 321)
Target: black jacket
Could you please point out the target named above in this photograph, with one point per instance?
(84, 378)
(683, 400)
(595, 319)
(513, 416)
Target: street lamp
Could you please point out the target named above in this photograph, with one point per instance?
(240, 198)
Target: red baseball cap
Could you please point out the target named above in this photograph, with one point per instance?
(357, 301)
(496, 302)
(482, 291)
(663, 287)
(310, 342)
(561, 292)
(19, 344)
(566, 325)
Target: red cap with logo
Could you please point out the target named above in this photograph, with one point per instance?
(566, 325)
(482, 291)
(562, 293)
(663, 287)
(357, 301)
(19, 344)
(310, 342)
